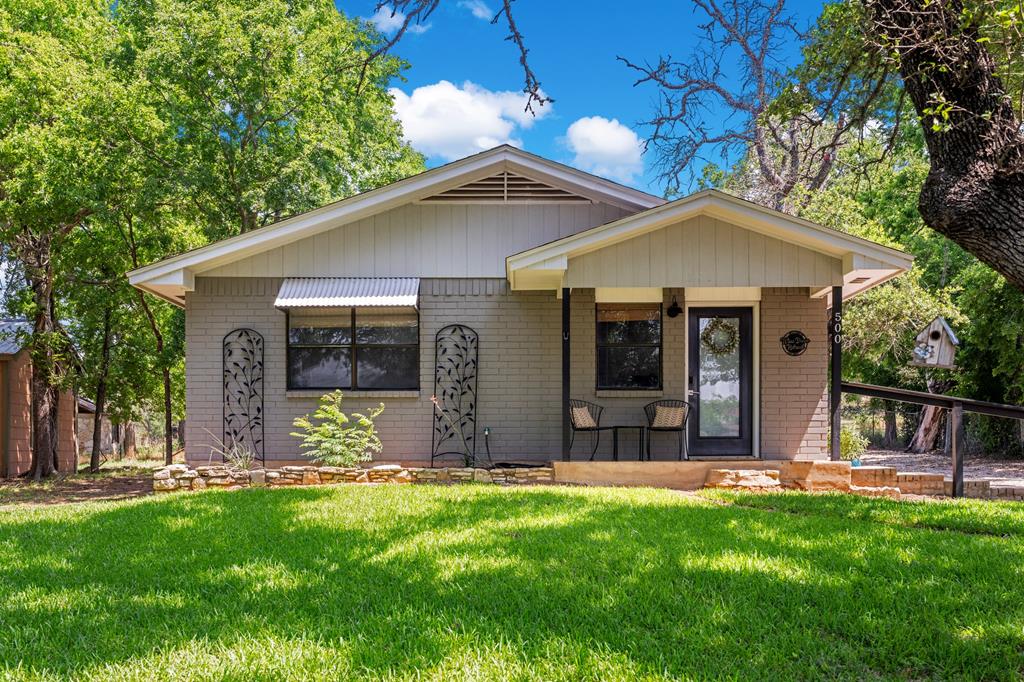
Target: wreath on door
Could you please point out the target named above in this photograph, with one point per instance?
(720, 337)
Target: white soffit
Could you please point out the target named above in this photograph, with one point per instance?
(348, 292)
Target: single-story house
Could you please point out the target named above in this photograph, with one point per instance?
(16, 408)
(510, 286)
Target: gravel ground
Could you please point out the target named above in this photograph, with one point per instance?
(1001, 471)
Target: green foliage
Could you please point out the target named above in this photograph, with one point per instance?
(131, 131)
(488, 583)
(337, 440)
(851, 443)
(274, 111)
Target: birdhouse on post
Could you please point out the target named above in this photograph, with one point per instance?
(935, 347)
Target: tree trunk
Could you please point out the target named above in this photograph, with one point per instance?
(128, 444)
(101, 397)
(974, 193)
(889, 439)
(928, 430)
(44, 392)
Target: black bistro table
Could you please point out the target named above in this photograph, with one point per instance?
(640, 430)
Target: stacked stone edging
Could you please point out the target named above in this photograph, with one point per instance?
(182, 477)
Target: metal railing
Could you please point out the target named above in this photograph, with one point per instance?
(956, 406)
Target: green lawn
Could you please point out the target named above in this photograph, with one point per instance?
(481, 582)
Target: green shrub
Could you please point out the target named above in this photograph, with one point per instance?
(851, 444)
(336, 439)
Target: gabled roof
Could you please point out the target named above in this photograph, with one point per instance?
(172, 277)
(10, 344)
(865, 263)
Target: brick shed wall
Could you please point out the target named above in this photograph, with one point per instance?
(18, 429)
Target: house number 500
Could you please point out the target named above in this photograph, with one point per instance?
(837, 328)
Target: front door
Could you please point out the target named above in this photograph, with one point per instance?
(720, 366)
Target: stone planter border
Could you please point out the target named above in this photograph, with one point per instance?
(182, 477)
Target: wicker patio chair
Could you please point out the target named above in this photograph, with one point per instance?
(586, 417)
(668, 415)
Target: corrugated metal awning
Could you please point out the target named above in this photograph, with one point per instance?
(348, 292)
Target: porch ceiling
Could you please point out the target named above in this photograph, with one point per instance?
(709, 239)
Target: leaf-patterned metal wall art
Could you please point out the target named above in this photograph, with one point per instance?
(456, 351)
(243, 391)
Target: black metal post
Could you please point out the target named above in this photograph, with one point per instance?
(957, 416)
(566, 357)
(835, 331)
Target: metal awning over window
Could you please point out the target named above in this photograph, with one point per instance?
(348, 292)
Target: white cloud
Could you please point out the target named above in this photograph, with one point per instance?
(387, 21)
(605, 147)
(451, 122)
(478, 8)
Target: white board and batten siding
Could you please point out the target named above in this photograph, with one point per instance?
(704, 252)
(425, 240)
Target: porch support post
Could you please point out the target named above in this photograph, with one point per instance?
(835, 331)
(956, 416)
(566, 433)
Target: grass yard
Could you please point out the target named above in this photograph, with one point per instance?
(482, 582)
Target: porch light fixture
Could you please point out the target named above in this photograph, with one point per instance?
(674, 309)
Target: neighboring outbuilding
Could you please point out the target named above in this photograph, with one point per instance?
(505, 285)
(16, 408)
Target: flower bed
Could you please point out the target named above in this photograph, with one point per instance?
(182, 477)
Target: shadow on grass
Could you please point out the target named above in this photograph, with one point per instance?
(545, 582)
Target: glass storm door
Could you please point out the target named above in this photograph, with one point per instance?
(720, 366)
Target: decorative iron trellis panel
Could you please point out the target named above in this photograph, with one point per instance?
(243, 391)
(456, 348)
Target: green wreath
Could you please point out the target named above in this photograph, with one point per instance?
(720, 337)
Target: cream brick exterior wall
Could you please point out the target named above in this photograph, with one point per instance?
(520, 371)
(794, 390)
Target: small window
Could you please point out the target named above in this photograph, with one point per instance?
(353, 348)
(629, 346)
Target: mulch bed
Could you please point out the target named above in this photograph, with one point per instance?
(71, 488)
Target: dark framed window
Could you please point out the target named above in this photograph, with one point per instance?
(629, 346)
(355, 348)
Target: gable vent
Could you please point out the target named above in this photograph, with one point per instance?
(505, 188)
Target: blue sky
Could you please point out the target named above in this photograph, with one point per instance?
(463, 89)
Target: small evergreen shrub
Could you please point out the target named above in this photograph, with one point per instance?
(335, 438)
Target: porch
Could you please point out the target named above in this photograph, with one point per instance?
(750, 306)
(692, 474)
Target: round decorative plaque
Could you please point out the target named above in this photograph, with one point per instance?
(794, 342)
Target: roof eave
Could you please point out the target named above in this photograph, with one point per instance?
(384, 198)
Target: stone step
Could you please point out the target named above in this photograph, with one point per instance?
(743, 478)
(874, 476)
(921, 483)
(888, 491)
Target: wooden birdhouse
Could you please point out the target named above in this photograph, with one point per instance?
(935, 346)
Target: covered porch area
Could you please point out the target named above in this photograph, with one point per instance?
(712, 309)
